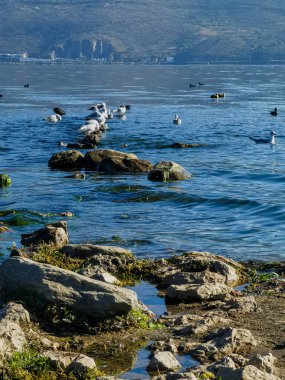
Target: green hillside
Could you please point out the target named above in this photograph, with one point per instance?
(146, 30)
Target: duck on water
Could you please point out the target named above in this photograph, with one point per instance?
(270, 140)
(274, 112)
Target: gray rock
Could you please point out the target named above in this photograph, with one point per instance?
(94, 298)
(14, 312)
(163, 361)
(230, 361)
(97, 273)
(224, 342)
(69, 159)
(109, 258)
(183, 278)
(59, 360)
(168, 171)
(202, 325)
(12, 337)
(263, 362)
(243, 304)
(201, 261)
(81, 364)
(196, 292)
(89, 250)
(176, 376)
(249, 372)
(55, 233)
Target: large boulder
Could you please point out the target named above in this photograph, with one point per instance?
(55, 233)
(168, 171)
(117, 164)
(94, 158)
(69, 159)
(54, 285)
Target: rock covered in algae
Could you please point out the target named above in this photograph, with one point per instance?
(5, 180)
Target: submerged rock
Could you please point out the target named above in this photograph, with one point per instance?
(119, 164)
(168, 171)
(185, 145)
(54, 285)
(5, 180)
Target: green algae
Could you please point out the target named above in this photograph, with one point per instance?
(5, 180)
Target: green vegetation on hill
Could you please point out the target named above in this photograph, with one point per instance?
(145, 31)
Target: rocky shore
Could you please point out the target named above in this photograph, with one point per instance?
(66, 311)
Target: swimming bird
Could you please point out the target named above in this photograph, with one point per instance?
(26, 85)
(274, 112)
(192, 85)
(270, 140)
(201, 84)
(120, 111)
(53, 118)
(59, 111)
(177, 120)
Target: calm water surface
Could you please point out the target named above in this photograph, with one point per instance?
(235, 203)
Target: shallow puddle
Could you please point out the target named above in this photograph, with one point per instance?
(148, 294)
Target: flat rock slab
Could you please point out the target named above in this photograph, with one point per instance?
(54, 285)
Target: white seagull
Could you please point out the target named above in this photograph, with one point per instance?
(53, 118)
(91, 126)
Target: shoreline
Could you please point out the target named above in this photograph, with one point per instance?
(196, 284)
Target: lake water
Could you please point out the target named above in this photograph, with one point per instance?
(234, 204)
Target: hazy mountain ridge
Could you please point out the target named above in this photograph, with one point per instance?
(149, 30)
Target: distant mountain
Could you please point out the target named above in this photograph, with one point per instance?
(185, 31)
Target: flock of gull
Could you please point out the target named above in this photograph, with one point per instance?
(96, 120)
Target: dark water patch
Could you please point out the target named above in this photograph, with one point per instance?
(148, 295)
(120, 188)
